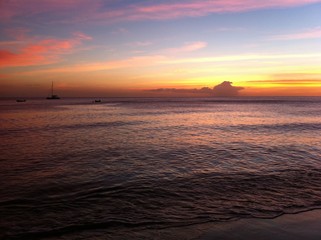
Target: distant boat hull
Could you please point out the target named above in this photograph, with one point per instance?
(20, 100)
(53, 97)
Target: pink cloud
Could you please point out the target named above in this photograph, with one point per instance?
(81, 36)
(199, 8)
(19, 34)
(188, 47)
(140, 44)
(14, 8)
(102, 10)
(40, 52)
(308, 34)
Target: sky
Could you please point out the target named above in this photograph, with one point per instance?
(145, 48)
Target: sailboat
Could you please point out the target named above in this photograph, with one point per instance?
(53, 96)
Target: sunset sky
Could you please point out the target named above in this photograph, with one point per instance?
(159, 48)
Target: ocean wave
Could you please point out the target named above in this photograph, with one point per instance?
(195, 199)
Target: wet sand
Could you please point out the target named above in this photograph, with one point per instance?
(305, 225)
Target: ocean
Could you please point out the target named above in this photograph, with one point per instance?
(74, 169)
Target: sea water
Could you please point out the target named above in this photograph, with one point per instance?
(71, 167)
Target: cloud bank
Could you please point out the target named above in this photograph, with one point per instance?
(224, 89)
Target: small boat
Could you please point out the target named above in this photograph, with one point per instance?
(97, 100)
(21, 100)
(53, 96)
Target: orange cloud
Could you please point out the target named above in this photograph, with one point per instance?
(163, 59)
(287, 82)
(133, 62)
(41, 52)
(285, 85)
(282, 91)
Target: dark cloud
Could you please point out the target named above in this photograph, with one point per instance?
(205, 90)
(225, 89)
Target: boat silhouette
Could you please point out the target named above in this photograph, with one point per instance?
(53, 96)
